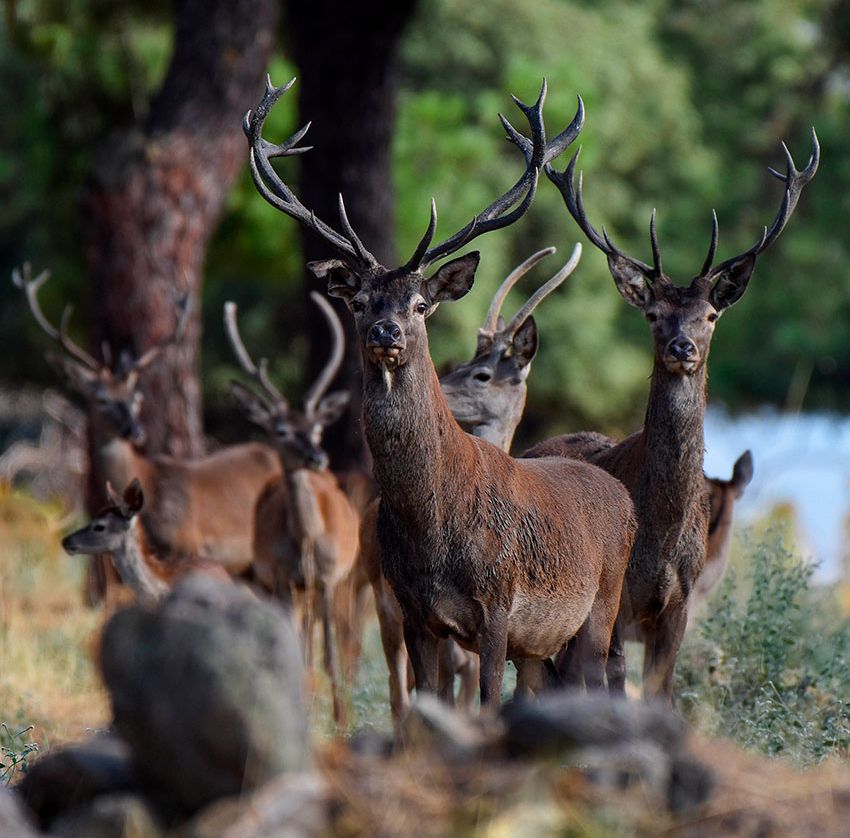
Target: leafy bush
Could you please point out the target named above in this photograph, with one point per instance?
(16, 747)
(769, 665)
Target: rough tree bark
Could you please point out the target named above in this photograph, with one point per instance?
(156, 193)
(345, 52)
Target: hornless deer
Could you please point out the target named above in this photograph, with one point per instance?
(662, 464)
(486, 395)
(508, 557)
(116, 530)
(202, 507)
(307, 530)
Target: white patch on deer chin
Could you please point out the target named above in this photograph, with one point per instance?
(388, 378)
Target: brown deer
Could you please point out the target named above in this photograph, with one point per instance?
(508, 557)
(116, 530)
(486, 395)
(662, 464)
(722, 497)
(202, 507)
(307, 530)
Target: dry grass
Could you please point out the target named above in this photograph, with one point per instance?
(47, 677)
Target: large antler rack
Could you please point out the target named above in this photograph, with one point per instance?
(504, 211)
(258, 372)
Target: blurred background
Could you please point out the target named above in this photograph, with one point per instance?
(123, 170)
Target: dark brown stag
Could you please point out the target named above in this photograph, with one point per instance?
(662, 464)
(508, 557)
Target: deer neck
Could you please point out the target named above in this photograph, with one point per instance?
(674, 442)
(416, 443)
(132, 563)
(303, 512)
(117, 460)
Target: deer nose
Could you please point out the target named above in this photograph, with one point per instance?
(384, 333)
(682, 349)
(317, 460)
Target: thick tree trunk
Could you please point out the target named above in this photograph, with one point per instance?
(345, 53)
(156, 193)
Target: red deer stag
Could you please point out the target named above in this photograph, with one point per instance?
(307, 530)
(202, 507)
(508, 557)
(487, 396)
(662, 464)
(116, 530)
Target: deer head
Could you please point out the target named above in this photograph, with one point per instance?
(108, 530)
(297, 434)
(112, 396)
(487, 394)
(390, 305)
(682, 318)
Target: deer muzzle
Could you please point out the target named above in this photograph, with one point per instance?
(385, 342)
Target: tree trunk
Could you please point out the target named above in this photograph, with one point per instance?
(155, 195)
(345, 52)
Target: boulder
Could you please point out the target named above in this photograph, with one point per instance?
(207, 690)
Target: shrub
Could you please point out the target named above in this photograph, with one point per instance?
(769, 665)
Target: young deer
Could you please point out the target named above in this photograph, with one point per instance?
(307, 530)
(202, 507)
(116, 530)
(508, 557)
(662, 464)
(486, 395)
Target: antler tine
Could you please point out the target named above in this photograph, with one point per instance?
(22, 278)
(421, 248)
(492, 318)
(712, 247)
(520, 195)
(173, 339)
(259, 372)
(362, 253)
(794, 181)
(653, 239)
(321, 384)
(70, 347)
(570, 188)
(541, 293)
(276, 192)
(554, 147)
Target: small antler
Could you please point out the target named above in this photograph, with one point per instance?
(537, 152)
(278, 194)
(570, 190)
(491, 321)
(794, 181)
(22, 278)
(258, 372)
(321, 384)
(541, 293)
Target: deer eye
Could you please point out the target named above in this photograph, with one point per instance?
(651, 316)
(357, 306)
(98, 527)
(482, 376)
(712, 317)
(421, 308)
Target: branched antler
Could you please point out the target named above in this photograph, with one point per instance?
(322, 382)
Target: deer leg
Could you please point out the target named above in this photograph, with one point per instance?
(446, 671)
(492, 651)
(424, 654)
(661, 650)
(468, 667)
(615, 667)
(329, 656)
(395, 652)
(568, 664)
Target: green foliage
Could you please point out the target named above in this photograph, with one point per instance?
(16, 748)
(769, 666)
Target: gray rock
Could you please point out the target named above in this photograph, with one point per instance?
(13, 820)
(110, 816)
(206, 688)
(69, 777)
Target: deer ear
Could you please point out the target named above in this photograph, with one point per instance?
(630, 281)
(525, 343)
(742, 472)
(342, 282)
(453, 280)
(255, 409)
(332, 406)
(112, 496)
(134, 498)
(731, 282)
